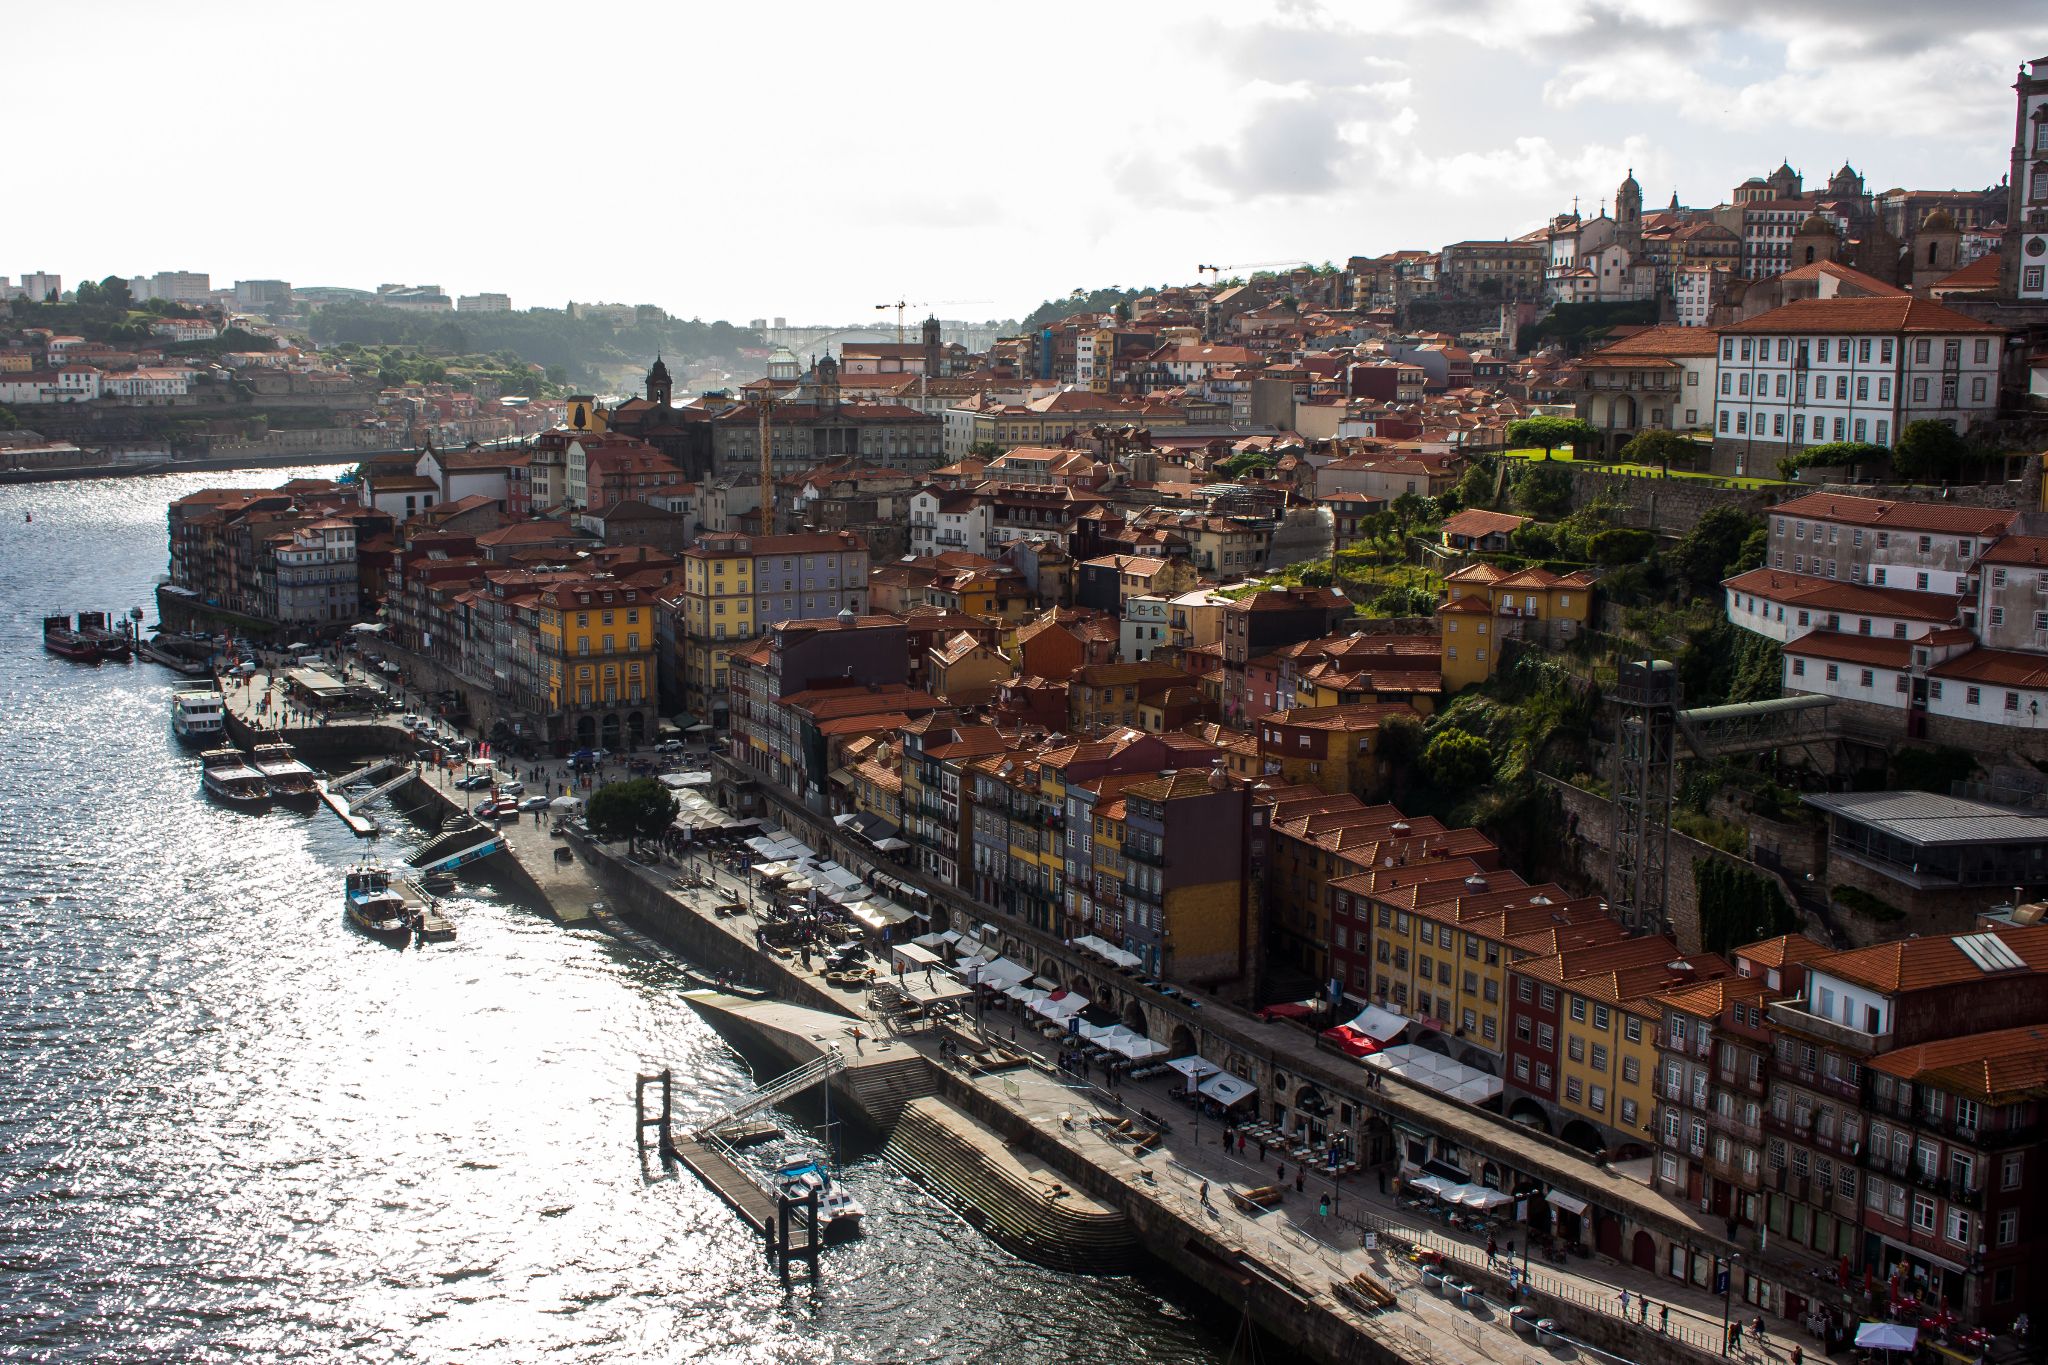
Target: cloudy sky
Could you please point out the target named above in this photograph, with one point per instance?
(810, 159)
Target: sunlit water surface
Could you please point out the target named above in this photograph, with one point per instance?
(231, 1130)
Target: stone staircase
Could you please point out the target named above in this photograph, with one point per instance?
(880, 1090)
(1019, 1201)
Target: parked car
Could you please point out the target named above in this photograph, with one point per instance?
(512, 787)
(534, 803)
(475, 782)
(669, 746)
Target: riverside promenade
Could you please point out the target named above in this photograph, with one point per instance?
(1296, 1250)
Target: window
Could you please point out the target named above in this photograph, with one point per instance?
(1522, 1069)
(1632, 1029)
(1573, 1091)
(1575, 1048)
(1523, 989)
(1631, 1070)
(1597, 1098)
(2009, 1170)
(1578, 1009)
(1600, 1017)
(1599, 1056)
(1546, 1037)
(1973, 695)
(1628, 1114)
(1958, 1227)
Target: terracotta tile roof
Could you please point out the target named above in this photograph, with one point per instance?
(1938, 517)
(1826, 594)
(1981, 273)
(2018, 550)
(1999, 1067)
(1869, 284)
(1709, 998)
(1869, 315)
(1783, 951)
(1665, 341)
(1871, 650)
(1918, 964)
(1477, 521)
(1997, 667)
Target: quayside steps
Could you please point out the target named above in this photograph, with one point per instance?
(382, 789)
(775, 1091)
(362, 774)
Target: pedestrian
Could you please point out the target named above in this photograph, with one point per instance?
(1624, 1303)
(1323, 1207)
(1492, 1248)
(1299, 1178)
(1205, 1194)
(1798, 1354)
(1756, 1329)
(1664, 1318)
(1643, 1309)
(1735, 1336)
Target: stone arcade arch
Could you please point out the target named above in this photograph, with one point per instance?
(1181, 1042)
(1134, 1016)
(1478, 1059)
(1528, 1112)
(1583, 1135)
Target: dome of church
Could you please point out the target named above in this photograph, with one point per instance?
(1941, 220)
(1815, 223)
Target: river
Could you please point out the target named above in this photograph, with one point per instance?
(231, 1130)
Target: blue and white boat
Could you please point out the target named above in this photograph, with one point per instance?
(840, 1211)
(375, 907)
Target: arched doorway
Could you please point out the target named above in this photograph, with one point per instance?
(1529, 1114)
(586, 732)
(1478, 1060)
(636, 729)
(1181, 1043)
(1582, 1135)
(1629, 1151)
(1134, 1016)
(1644, 1252)
(609, 731)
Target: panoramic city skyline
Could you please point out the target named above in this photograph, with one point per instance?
(779, 186)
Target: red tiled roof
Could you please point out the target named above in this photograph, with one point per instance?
(1998, 1067)
(1826, 594)
(1997, 667)
(1854, 316)
(1917, 964)
(1872, 650)
(1477, 521)
(1886, 513)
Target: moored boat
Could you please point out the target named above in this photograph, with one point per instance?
(291, 781)
(113, 642)
(187, 654)
(59, 637)
(838, 1209)
(228, 778)
(372, 905)
(198, 712)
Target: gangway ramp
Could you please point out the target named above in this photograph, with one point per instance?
(381, 790)
(362, 774)
(781, 1088)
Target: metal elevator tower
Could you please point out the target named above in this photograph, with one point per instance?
(1644, 762)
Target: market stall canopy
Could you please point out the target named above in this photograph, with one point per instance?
(1886, 1336)
(1477, 1197)
(1194, 1068)
(1025, 995)
(1227, 1089)
(564, 803)
(937, 940)
(1433, 1185)
(1378, 1024)
(1292, 1009)
(1570, 1203)
(1061, 1004)
(1417, 1065)
(1350, 1041)
(1137, 1047)
(891, 845)
(915, 955)
(1003, 973)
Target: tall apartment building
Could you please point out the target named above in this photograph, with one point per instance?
(735, 587)
(483, 303)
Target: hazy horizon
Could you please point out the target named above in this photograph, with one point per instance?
(1015, 158)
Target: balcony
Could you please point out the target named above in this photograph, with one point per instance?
(1142, 895)
(1793, 1016)
(1151, 857)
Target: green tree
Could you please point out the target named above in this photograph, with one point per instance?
(1929, 451)
(1475, 485)
(1543, 491)
(1662, 449)
(1711, 549)
(1457, 762)
(640, 808)
(1550, 432)
(8, 421)
(114, 293)
(1620, 545)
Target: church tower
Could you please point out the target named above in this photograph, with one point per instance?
(660, 389)
(934, 348)
(1814, 242)
(1628, 214)
(828, 383)
(1933, 251)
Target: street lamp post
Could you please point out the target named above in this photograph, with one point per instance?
(1727, 1277)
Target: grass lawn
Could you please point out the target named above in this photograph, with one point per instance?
(1563, 455)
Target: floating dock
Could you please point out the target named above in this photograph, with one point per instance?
(724, 1178)
(363, 825)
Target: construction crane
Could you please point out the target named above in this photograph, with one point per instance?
(902, 304)
(1215, 272)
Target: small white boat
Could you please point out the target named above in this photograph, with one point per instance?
(840, 1212)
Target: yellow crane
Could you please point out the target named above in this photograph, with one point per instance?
(902, 304)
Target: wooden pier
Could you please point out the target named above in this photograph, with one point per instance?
(724, 1178)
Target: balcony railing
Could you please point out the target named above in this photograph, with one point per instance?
(1793, 1015)
(1139, 853)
